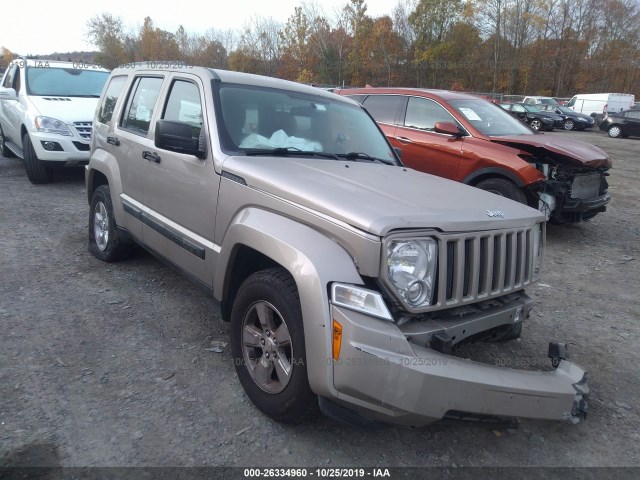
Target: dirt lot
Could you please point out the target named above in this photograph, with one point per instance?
(116, 365)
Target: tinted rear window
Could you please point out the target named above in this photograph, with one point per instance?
(384, 108)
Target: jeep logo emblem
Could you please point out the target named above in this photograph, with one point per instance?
(495, 213)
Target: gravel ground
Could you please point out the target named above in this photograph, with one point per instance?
(118, 364)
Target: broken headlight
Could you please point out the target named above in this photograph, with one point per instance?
(411, 269)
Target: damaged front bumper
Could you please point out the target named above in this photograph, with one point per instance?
(387, 373)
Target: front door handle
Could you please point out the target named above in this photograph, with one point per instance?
(152, 157)
(404, 139)
(113, 141)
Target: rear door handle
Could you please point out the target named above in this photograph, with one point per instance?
(113, 141)
(152, 157)
(404, 139)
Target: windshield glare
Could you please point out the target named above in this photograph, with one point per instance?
(489, 119)
(65, 82)
(260, 118)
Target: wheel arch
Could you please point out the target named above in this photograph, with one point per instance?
(492, 172)
(312, 259)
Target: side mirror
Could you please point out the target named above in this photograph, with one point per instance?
(448, 128)
(178, 137)
(8, 94)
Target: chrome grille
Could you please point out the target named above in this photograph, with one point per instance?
(585, 187)
(482, 265)
(84, 129)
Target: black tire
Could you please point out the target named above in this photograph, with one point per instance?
(505, 333)
(536, 124)
(285, 398)
(569, 124)
(37, 171)
(112, 245)
(4, 150)
(503, 187)
(614, 131)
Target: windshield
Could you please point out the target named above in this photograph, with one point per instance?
(65, 82)
(260, 121)
(566, 110)
(489, 119)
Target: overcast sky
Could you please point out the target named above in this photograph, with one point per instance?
(45, 26)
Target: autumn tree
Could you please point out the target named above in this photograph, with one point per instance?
(6, 56)
(107, 33)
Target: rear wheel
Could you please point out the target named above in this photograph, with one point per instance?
(504, 188)
(37, 171)
(267, 342)
(106, 242)
(568, 124)
(614, 131)
(536, 124)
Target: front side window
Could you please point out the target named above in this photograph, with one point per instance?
(264, 121)
(9, 77)
(183, 105)
(105, 111)
(64, 82)
(140, 104)
(423, 114)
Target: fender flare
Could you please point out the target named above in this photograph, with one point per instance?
(312, 259)
(103, 162)
(494, 172)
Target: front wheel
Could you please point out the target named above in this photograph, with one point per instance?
(614, 131)
(267, 342)
(106, 242)
(504, 188)
(37, 171)
(536, 124)
(568, 124)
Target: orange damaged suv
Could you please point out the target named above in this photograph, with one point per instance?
(466, 138)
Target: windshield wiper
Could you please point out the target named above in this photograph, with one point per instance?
(79, 96)
(286, 151)
(363, 156)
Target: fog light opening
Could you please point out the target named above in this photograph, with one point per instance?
(49, 146)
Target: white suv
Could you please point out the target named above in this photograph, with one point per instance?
(46, 113)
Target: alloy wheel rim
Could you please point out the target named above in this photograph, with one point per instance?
(614, 131)
(101, 226)
(267, 349)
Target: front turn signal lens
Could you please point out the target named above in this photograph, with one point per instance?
(337, 340)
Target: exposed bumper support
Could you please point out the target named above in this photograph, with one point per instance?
(383, 376)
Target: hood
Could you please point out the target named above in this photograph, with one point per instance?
(575, 152)
(580, 115)
(379, 198)
(67, 109)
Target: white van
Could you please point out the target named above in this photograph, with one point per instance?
(601, 103)
(46, 113)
